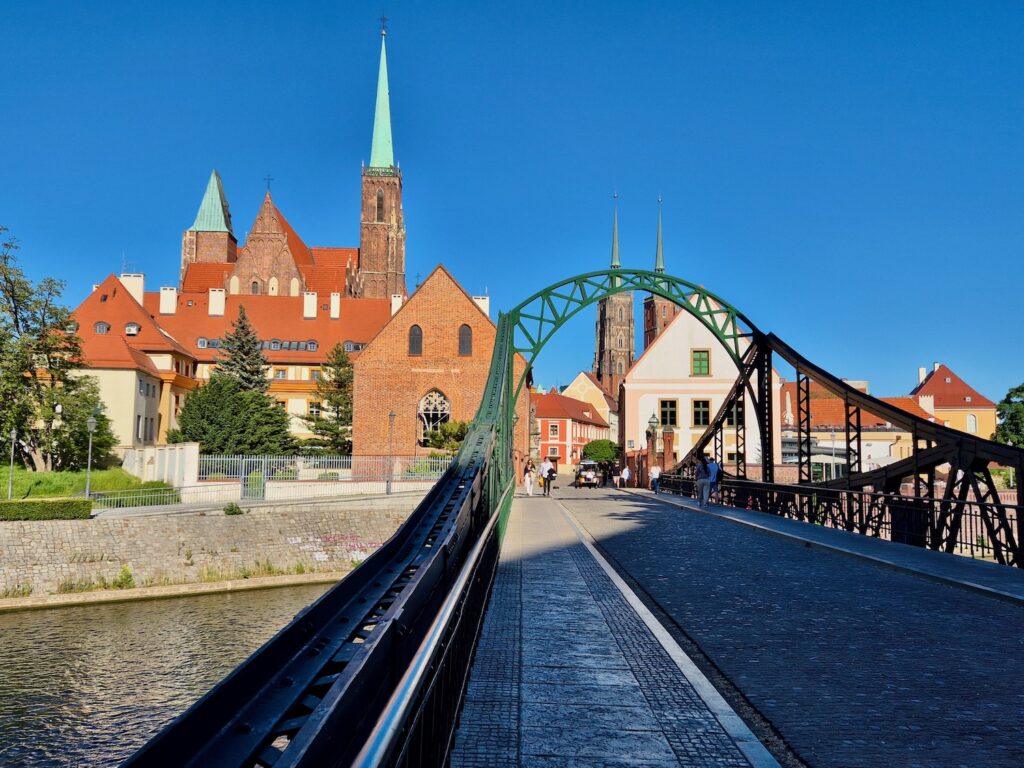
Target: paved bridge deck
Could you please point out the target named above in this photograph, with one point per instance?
(851, 663)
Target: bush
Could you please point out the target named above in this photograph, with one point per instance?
(46, 509)
(328, 476)
(124, 579)
(286, 474)
(233, 509)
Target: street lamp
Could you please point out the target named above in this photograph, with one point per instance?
(391, 450)
(90, 424)
(10, 471)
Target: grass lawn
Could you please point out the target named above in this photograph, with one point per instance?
(36, 484)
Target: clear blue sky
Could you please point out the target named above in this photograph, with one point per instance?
(851, 175)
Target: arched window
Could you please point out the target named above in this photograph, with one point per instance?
(201, 342)
(380, 205)
(101, 327)
(272, 286)
(434, 410)
(416, 341)
(621, 315)
(233, 284)
(132, 329)
(972, 423)
(465, 341)
(255, 288)
(622, 368)
(293, 289)
(620, 343)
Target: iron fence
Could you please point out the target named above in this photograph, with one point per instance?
(214, 468)
(982, 530)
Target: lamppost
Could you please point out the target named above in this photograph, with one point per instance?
(10, 470)
(652, 446)
(391, 449)
(90, 424)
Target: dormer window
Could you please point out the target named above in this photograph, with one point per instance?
(311, 346)
(949, 380)
(103, 298)
(72, 327)
(101, 327)
(967, 399)
(275, 345)
(201, 342)
(132, 329)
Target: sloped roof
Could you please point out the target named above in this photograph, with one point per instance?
(213, 214)
(827, 410)
(556, 406)
(609, 399)
(950, 391)
(202, 276)
(335, 257)
(112, 351)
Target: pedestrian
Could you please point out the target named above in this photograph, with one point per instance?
(703, 484)
(528, 474)
(714, 471)
(625, 476)
(547, 471)
(655, 478)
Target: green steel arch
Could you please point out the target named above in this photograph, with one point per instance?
(536, 320)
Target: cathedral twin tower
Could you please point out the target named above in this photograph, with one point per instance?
(275, 261)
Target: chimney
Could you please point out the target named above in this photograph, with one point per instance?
(484, 302)
(396, 303)
(922, 374)
(935, 366)
(787, 415)
(308, 305)
(134, 284)
(927, 403)
(335, 306)
(168, 300)
(216, 305)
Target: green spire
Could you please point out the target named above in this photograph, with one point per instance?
(213, 215)
(382, 154)
(615, 233)
(659, 253)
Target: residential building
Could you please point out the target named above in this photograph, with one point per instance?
(586, 387)
(953, 402)
(566, 426)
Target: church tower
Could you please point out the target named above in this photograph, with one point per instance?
(658, 312)
(210, 239)
(381, 225)
(615, 343)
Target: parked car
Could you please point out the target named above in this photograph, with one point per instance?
(588, 473)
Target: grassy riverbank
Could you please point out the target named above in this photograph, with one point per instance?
(55, 484)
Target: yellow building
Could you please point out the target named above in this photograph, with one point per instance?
(586, 387)
(954, 403)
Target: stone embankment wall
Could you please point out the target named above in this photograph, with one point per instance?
(296, 537)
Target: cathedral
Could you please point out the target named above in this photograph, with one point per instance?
(615, 335)
(275, 261)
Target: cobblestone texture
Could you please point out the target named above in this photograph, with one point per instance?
(854, 664)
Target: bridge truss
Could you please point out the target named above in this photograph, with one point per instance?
(373, 672)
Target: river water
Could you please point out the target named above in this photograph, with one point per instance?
(87, 686)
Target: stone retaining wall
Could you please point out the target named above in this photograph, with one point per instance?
(292, 537)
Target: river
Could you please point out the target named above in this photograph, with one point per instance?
(86, 686)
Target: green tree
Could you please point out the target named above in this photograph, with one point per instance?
(448, 437)
(333, 425)
(601, 450)
(45, 399)
(243, 358)
(225, 418)
(1011, 417)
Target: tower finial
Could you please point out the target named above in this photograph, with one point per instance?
(382, 154)
(383, 26)
(615, 232)
(659, 253)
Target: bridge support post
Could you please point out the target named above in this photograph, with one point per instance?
(764, 412)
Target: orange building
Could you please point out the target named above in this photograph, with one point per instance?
(566, 425)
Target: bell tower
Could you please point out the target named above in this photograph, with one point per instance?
(615, 334)
(381, 222)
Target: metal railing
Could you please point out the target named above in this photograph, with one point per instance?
(971, 528)
(217, 468)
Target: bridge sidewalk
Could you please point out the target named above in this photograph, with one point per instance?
(991, 579)
(573, 670)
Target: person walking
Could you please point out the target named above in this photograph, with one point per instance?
(703, 483)
(713, 473)
(625, 476)
(547, 471)
(528, 475)
(655, 478)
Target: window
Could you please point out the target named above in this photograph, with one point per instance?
(101, 327)
(622, 367)
(669, 414)
(142, 388)
(255, 288)
(620, 343)
(733, 415)
(138, 427)
(700, 362)
(349, 346)
(552, 430)
(415, 341)
(281, 404)
(621, 315)
(314, 409)
(280, 374)
(972, 423)
(553, 451)
(434, 410)
(314, 375)
(201, 342)
(701, 413)
(967, 399)
(949, 380)
(72, 327)
(380, 205)
(103, 298)
(311, 346)
(465, 341)
(275, 345)
(732, 457)
(664, 311)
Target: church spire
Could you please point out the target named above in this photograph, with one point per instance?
(213, 215)
(659, 253)
(615, 232)
(381, 152)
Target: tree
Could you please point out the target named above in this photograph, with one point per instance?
(44, 398)
(333, 425)
(243, 358)
(601, 450)
(224, 418)
(448, 437)
(1011, 417)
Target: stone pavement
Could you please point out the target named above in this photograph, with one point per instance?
(567, 673)
(854, 664)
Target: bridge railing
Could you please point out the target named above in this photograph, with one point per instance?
(967, 527)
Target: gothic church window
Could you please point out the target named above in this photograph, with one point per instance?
(622, 368)
(415, 341)
(434, 410)
(465, 341)
(255, 287)
(380, 205)
(272, 286)
(293, 289)
(621, 315)
(620, 343)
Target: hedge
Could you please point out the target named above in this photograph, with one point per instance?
(46, 509)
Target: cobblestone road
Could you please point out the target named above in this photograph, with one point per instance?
(854, 664)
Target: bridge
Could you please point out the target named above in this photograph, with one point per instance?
(608, 627)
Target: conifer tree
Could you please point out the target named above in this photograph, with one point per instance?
(243, 358)
(333, 425)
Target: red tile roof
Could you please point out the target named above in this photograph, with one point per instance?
(555, 406)
(827, 410)
(204, 276)
(112, 351)
(950, 391)
(300, 251)
(610, 400)
(336, 257)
